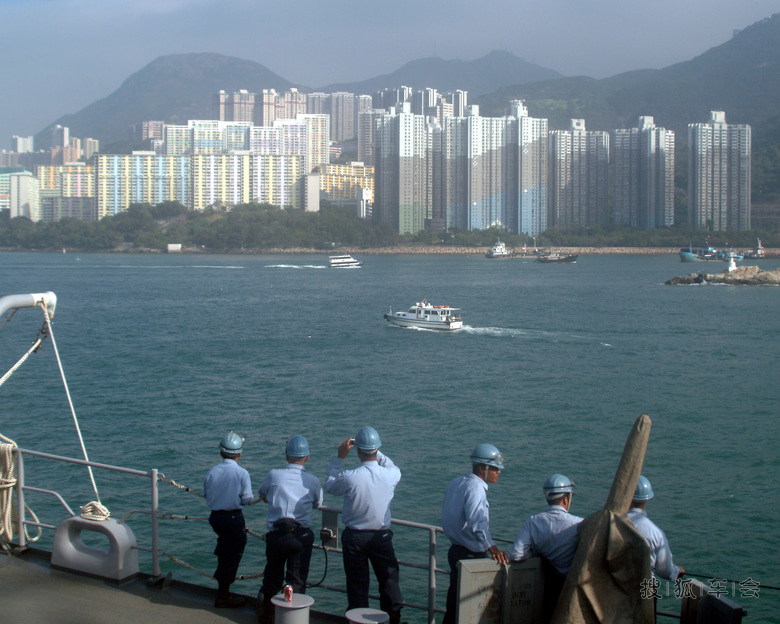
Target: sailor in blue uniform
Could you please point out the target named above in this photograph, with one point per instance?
(660, 554)
(367, 492)
(291, 494)
(227, 488)
(552, 535)
(466, 520)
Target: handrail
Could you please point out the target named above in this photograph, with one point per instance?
(21, 488)
(152, 475)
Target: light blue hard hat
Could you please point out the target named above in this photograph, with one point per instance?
(558, 484)
(232, 444)
(644, 491)
(367, 439)
(297, 446)
(487, 454)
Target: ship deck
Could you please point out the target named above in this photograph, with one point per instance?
(33, 592)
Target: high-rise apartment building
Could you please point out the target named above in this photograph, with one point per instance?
(318, 103)
(342, 116)
(719, 172)
(234, 106)
(578, 177)
(365, 135)
(532, 171)
(22, 145)
(644, 176)
(404, 170)
(24, 192)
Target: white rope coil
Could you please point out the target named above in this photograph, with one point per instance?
(95, 511)
(8, 524)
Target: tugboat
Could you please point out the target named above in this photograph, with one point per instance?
(498, 250)
(427, 316)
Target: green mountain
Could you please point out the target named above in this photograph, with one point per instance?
(180, 87)
(173, 89)
(478, 77)
(741, 77)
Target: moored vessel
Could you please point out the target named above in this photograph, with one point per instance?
(556, 257)
(427, 316)
(498, 250)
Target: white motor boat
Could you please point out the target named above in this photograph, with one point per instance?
(344, 261)
(427, 316)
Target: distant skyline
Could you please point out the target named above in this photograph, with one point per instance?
(61, 55)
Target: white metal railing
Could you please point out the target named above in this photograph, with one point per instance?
(153, 511)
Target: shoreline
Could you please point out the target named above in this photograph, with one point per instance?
(397, 250)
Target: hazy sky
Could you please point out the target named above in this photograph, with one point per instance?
(58, 56)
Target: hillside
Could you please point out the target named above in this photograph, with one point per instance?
(180, 87)
(741, 77)
(173, 89)
(478, 77)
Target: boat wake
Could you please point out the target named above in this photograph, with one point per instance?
(295, 266)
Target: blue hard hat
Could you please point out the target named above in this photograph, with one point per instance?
(367, 439)
(297, 446)
(232, 444)
(558, 484)
(644, 491)
(487, 454)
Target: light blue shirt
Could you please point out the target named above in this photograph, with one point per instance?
(552, 534)
(292, 493)
(465, 515)
(227, 486)
(367, 491)
(660, 554)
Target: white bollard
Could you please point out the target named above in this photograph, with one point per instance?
(367, 616)
(296, 611)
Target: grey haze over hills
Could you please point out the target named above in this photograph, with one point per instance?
(740, 76)
(180, 87)
(479, 77)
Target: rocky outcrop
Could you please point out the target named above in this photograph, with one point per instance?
(741, 276)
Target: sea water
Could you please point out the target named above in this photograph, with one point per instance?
(163, 354)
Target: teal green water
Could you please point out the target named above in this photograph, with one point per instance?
(164, 354)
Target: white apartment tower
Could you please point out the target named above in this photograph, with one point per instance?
(342, 116)
(532, 170)
(719, 174)
(644, 176)
(403, 183)
(578, 177)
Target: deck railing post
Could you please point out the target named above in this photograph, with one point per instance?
(20, 498)
(432, 576)
(155, 528)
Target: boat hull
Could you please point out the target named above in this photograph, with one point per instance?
(402, 321)
(557, 259)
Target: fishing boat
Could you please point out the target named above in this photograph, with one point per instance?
(556, 257)
(343, 261)
(708, 254)
(427, 316)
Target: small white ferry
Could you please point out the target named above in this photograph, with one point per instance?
(427, 316)
(344, 261)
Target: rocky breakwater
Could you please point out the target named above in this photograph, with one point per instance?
(741, 276)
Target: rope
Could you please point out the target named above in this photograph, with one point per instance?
(240, 577)
(36, 345)
(95, 511)
(72, 408)
(164, 479)
(8, 524)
